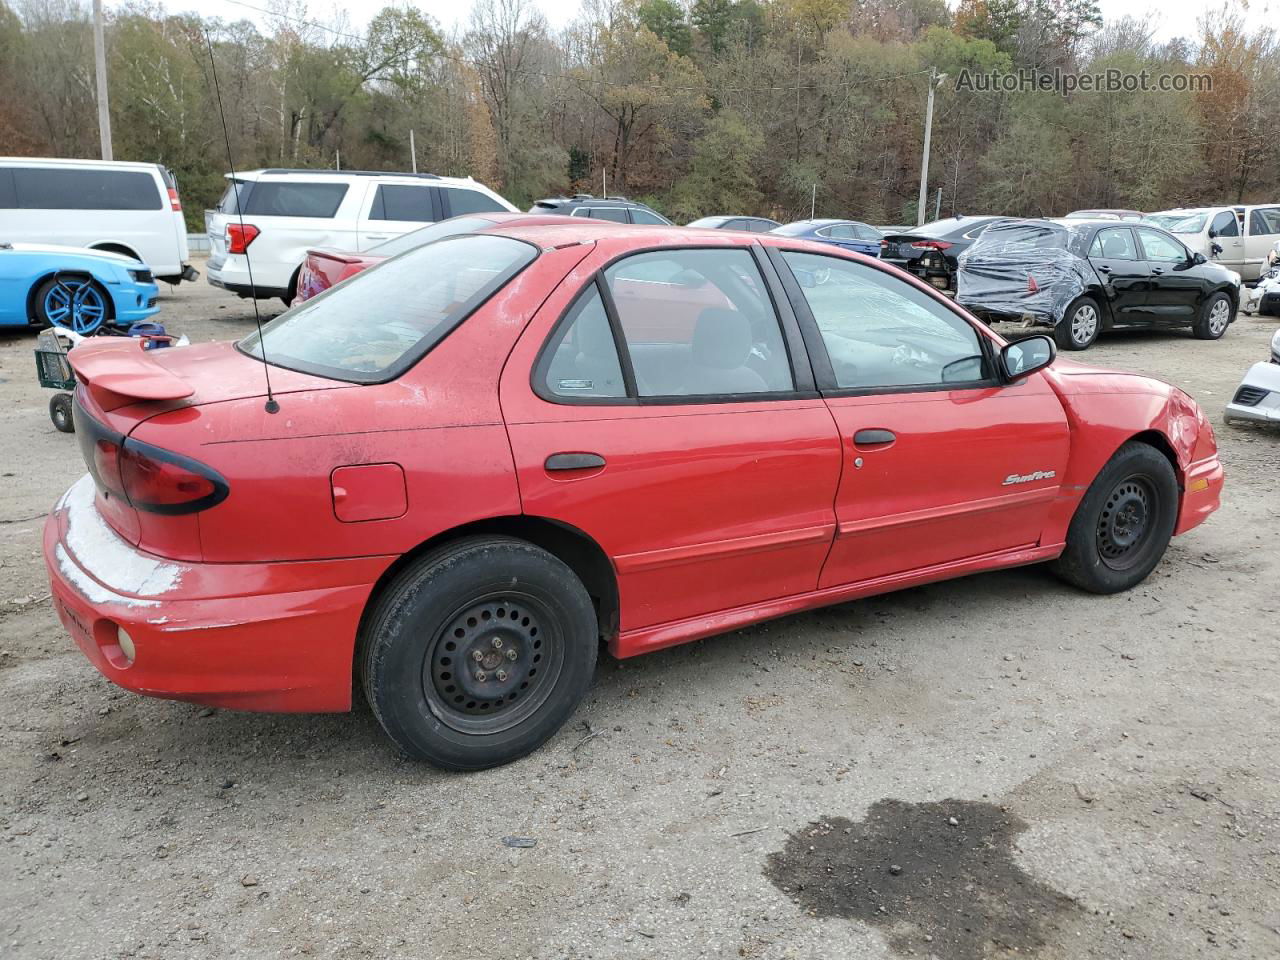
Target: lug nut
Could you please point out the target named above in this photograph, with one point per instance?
(497, 643)
(511, 654)
(481, 676)
(477, 656)
(501, 675)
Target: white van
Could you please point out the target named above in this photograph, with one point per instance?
(287, 212)
(127, 208)
(1242, 235)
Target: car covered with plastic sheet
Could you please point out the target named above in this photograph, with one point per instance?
(1082, 277)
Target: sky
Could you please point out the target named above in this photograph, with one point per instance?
(1169, 18)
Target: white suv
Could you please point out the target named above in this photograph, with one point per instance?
(287, 212)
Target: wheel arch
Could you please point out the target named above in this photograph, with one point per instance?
(1098, 295)
(567, 543)
(1154, 438)
(48, 275)
(112, 246)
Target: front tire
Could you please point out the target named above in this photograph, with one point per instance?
(1124, 522)
(477, 653)
(1216, 314)
(1079, 325)
(73, 303)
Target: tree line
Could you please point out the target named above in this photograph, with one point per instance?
(698, 107)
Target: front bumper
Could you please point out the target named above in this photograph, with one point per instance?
(1201, 494)
(132, 302)
(1258, 396)
(269, 636)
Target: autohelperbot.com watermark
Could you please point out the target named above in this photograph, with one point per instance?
(1063, 82)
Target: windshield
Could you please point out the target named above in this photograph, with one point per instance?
(381, 322)
(437, 231)
(1179, 222)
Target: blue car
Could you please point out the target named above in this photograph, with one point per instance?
(848, 234)
(73, 287)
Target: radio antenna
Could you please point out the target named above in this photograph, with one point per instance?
(271, 405)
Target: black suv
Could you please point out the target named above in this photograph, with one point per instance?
(617, 209)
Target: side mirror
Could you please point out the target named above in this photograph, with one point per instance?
(1024, 357)
(1199, 257)
(1212, 233)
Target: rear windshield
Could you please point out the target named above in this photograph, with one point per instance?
(1019, 238)
(437, 231)
(380, 323)
(48, 188)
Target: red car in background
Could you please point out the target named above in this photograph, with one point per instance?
(324, 268)
(571, 434)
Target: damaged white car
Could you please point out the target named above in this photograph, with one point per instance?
(1258, 396)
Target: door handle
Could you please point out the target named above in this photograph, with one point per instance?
(376, 236)
(874, 438)
(1104, 268)
(1158, 271)
(574, 461)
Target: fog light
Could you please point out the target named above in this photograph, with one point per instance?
(125, 642)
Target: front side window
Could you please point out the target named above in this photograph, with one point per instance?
(1224, 224)
(48, 188)
(287, 198)
(371, 329)
(1159, 247)
(699, 323)
(1114, 243)
(395, 201)
(881, 331)
(583, 354)
(462, 201)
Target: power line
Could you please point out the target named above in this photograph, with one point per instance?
(580, 78)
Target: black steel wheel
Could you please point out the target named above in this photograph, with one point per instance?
(60, 412)
(476, 653)
(1124, 522)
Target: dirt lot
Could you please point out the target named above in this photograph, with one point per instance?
(994, 766)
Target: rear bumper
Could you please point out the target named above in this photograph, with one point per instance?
(270, 637)
(1201, 495)
(231, 272)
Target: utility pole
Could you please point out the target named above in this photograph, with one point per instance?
(935, 79)
(813, 201)
(937, 205)
(413, 150)
(100, 69)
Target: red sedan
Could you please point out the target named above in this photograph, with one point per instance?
(324, 268)
(577, 433)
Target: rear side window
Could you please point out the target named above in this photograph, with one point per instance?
(401, 202)
(1114, 243)
(616, 214)
(462, 201)
(286, 198)
(583, 354)
(44, 188)
(8, 198)
(698, 323)
(369, 331)
(1264, 221)
(644, 216)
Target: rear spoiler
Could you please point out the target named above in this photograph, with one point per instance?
(121, 369)
(337, 255)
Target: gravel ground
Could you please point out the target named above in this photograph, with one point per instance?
(994, 766)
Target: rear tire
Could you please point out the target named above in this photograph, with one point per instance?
(1124, 522)
(1079, 326)
(1216, 314)
(478, 652)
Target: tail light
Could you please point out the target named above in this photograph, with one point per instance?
(239, 236)
(148, 477)
(1032, 286)
(931, 245)
(174, 201)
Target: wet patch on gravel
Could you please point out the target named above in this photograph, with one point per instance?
(937, 878)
